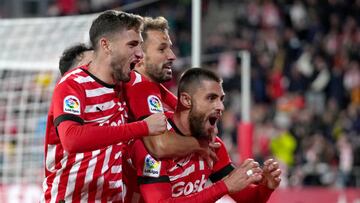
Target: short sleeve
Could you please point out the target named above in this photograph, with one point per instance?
(68, 102)
(144, 99)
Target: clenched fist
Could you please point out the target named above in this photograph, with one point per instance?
(156, 123)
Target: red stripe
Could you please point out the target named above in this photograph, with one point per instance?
(80, 179)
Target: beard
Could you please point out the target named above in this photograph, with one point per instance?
(197, 123)
(120, 72)
(157, 73)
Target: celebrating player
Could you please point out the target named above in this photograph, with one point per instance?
(87, 116)
(146, 95)
(200, 106)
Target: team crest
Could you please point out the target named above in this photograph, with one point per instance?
(72, 105)
(151, 167)
(154, 104)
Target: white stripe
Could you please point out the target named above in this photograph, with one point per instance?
(201, 164)
(105, 167)
(55, 184)
(168, 125)
(119, 154)
(69, 74)
(99, 185)
(186, 172)
(81, 79)
(115, 184)
(89, 176)
(72, 177)
(116, 169)
(137, 78)
(45, 187)
(98, 91)
(99, 120)
(106, 160)
(50, 158)
(102, 106)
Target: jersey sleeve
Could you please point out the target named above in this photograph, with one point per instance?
(144, 99)
(253, 193)
(224, 165)
(148, 168)
(68, 102)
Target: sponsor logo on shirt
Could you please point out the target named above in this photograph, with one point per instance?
(187, 188)
(72, 105)
(154, 104)
(151, 167)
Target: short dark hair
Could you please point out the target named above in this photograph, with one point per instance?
(158, 23)
(112, 21)
(193, 77)
(69, 56)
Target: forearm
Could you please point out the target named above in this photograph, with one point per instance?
(210, 195)
(77, 138)
(253, 193)
(170, 144)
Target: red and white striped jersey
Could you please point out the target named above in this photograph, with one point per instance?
(145, 97)
(94, 176)
(186, 175)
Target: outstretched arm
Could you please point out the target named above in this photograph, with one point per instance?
(171, 144)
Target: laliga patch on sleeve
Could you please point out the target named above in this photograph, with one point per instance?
(151, 167)
(154, 104)
(72, 105)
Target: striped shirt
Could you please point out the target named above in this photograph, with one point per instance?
(93, 176)
(186, 175)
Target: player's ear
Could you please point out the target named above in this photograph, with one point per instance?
(105, 45)
(185, 99)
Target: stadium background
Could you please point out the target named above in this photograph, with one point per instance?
(305, 82)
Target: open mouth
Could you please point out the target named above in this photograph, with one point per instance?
(132, 65)
(212, 120)
(168, 65)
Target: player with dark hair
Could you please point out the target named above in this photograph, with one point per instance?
(87, 117)
(200, 106)
(74, 56)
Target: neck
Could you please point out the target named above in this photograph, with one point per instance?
(100, 67)
(181, 120)
(140, 68)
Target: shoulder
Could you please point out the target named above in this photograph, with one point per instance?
(139, 80)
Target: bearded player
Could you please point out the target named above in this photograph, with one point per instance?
(200, 106)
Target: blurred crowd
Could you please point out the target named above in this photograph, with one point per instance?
(305, 76)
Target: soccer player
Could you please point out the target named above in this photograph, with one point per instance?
(75, 56)
(146, 95)
(200, 106)
(87, 117)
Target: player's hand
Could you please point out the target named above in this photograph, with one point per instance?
(271, 174)
(207, 151)
(248, 172)
(156, 123)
